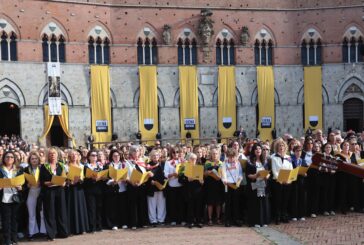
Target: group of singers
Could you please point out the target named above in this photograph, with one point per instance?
(231, 192)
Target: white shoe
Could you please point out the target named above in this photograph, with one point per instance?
(20, 235)
(173, 223)
(265, 225)
(124, 227)
(115, 228)
(294, 219)
(326, 214)
(313, 216)
(351, 208)
(133, 228)
(332, 213)
(257, 226)
(302, 219)
(183, 223)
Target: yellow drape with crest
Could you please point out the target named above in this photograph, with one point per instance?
(188, 89)
(148, 103)
(265, 80)
(100, 103)
(313, 97)
(226, 101)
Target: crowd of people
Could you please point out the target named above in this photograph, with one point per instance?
(232, 191)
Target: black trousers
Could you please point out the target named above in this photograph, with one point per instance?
(94, 208)
(232, 213)
(314, 186)
(299, 198)
(281, 198)
(176, 204)
(111, 209)
(9, 222)
(343, 190)
(137, 201)
(55, 212)
(328, 191)
(194, 205)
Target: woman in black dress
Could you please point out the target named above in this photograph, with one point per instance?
(93, 192)
(54, 198)
(214, 188)
(9, 202)
(258, 205)
(76, 202)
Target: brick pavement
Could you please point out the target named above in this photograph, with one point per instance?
(339, 229)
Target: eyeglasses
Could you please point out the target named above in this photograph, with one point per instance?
(265, 149)
(9, 157)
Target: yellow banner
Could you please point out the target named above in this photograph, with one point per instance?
(265, 80)
(227, 101)
(101, 104)
(188, 89)
(313, 97)
(148, 103)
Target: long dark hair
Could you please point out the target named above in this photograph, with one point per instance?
(253, 157)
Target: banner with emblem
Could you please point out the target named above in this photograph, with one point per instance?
(188, 91)
(226, 101)
(54, 88)
(265, 84)
(148, 103)
(313, 97)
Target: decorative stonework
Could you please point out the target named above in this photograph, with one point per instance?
(353, 89)
(167, 37)
(205, 31)
(244, 36)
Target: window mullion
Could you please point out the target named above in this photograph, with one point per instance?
(143, 45)
(222, 53)
(102, 53)
(184, 54)
(49, 50)
(190, 54)
(315, 55)
(349, 58)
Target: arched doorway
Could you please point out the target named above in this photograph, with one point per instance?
(56, 135)
(10, 119)
(353, 114)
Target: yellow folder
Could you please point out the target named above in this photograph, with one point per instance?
(360, 162)
(139, 178)
(287, 176)
(118, 174)
(160, 186)
(302, 170)
(58, 180)
(74, 172)
(99, 175)
(235, 185)
(194, 171)
(13, 182)
(32, 179)
(263, 174)
(178, 168)
(243, 163)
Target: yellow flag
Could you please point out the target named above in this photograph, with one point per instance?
(265, 80)
(148, 103)
(226, 101)
(313, 97)
(188, 89)
(101, 104)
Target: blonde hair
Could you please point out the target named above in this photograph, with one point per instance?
(279, 142)
(52, 149)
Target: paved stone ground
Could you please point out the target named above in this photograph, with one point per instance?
(339, 229)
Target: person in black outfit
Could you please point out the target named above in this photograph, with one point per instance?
(10, 198)
(93, 192)
(258, 204)
(54, 199)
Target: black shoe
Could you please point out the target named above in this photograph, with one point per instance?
(190, 226)
(199, 225)
(238, 223)
(227, 225)
(277, 221)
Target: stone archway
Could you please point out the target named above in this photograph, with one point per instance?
(353, 111)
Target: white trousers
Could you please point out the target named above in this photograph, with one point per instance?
(32, 206)
(157, 207)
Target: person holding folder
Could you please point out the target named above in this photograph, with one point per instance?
(175, 200)
(76, 201)
(193, 194)
(298, 208)
(116, 198)
(214, 189)
(258, 203)
(10, 199)
(232, 175)
(137, 200)
(329, 182)
(33, 194)
(93, 192)
(54, 199)
(281, 191)
(156, 200)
